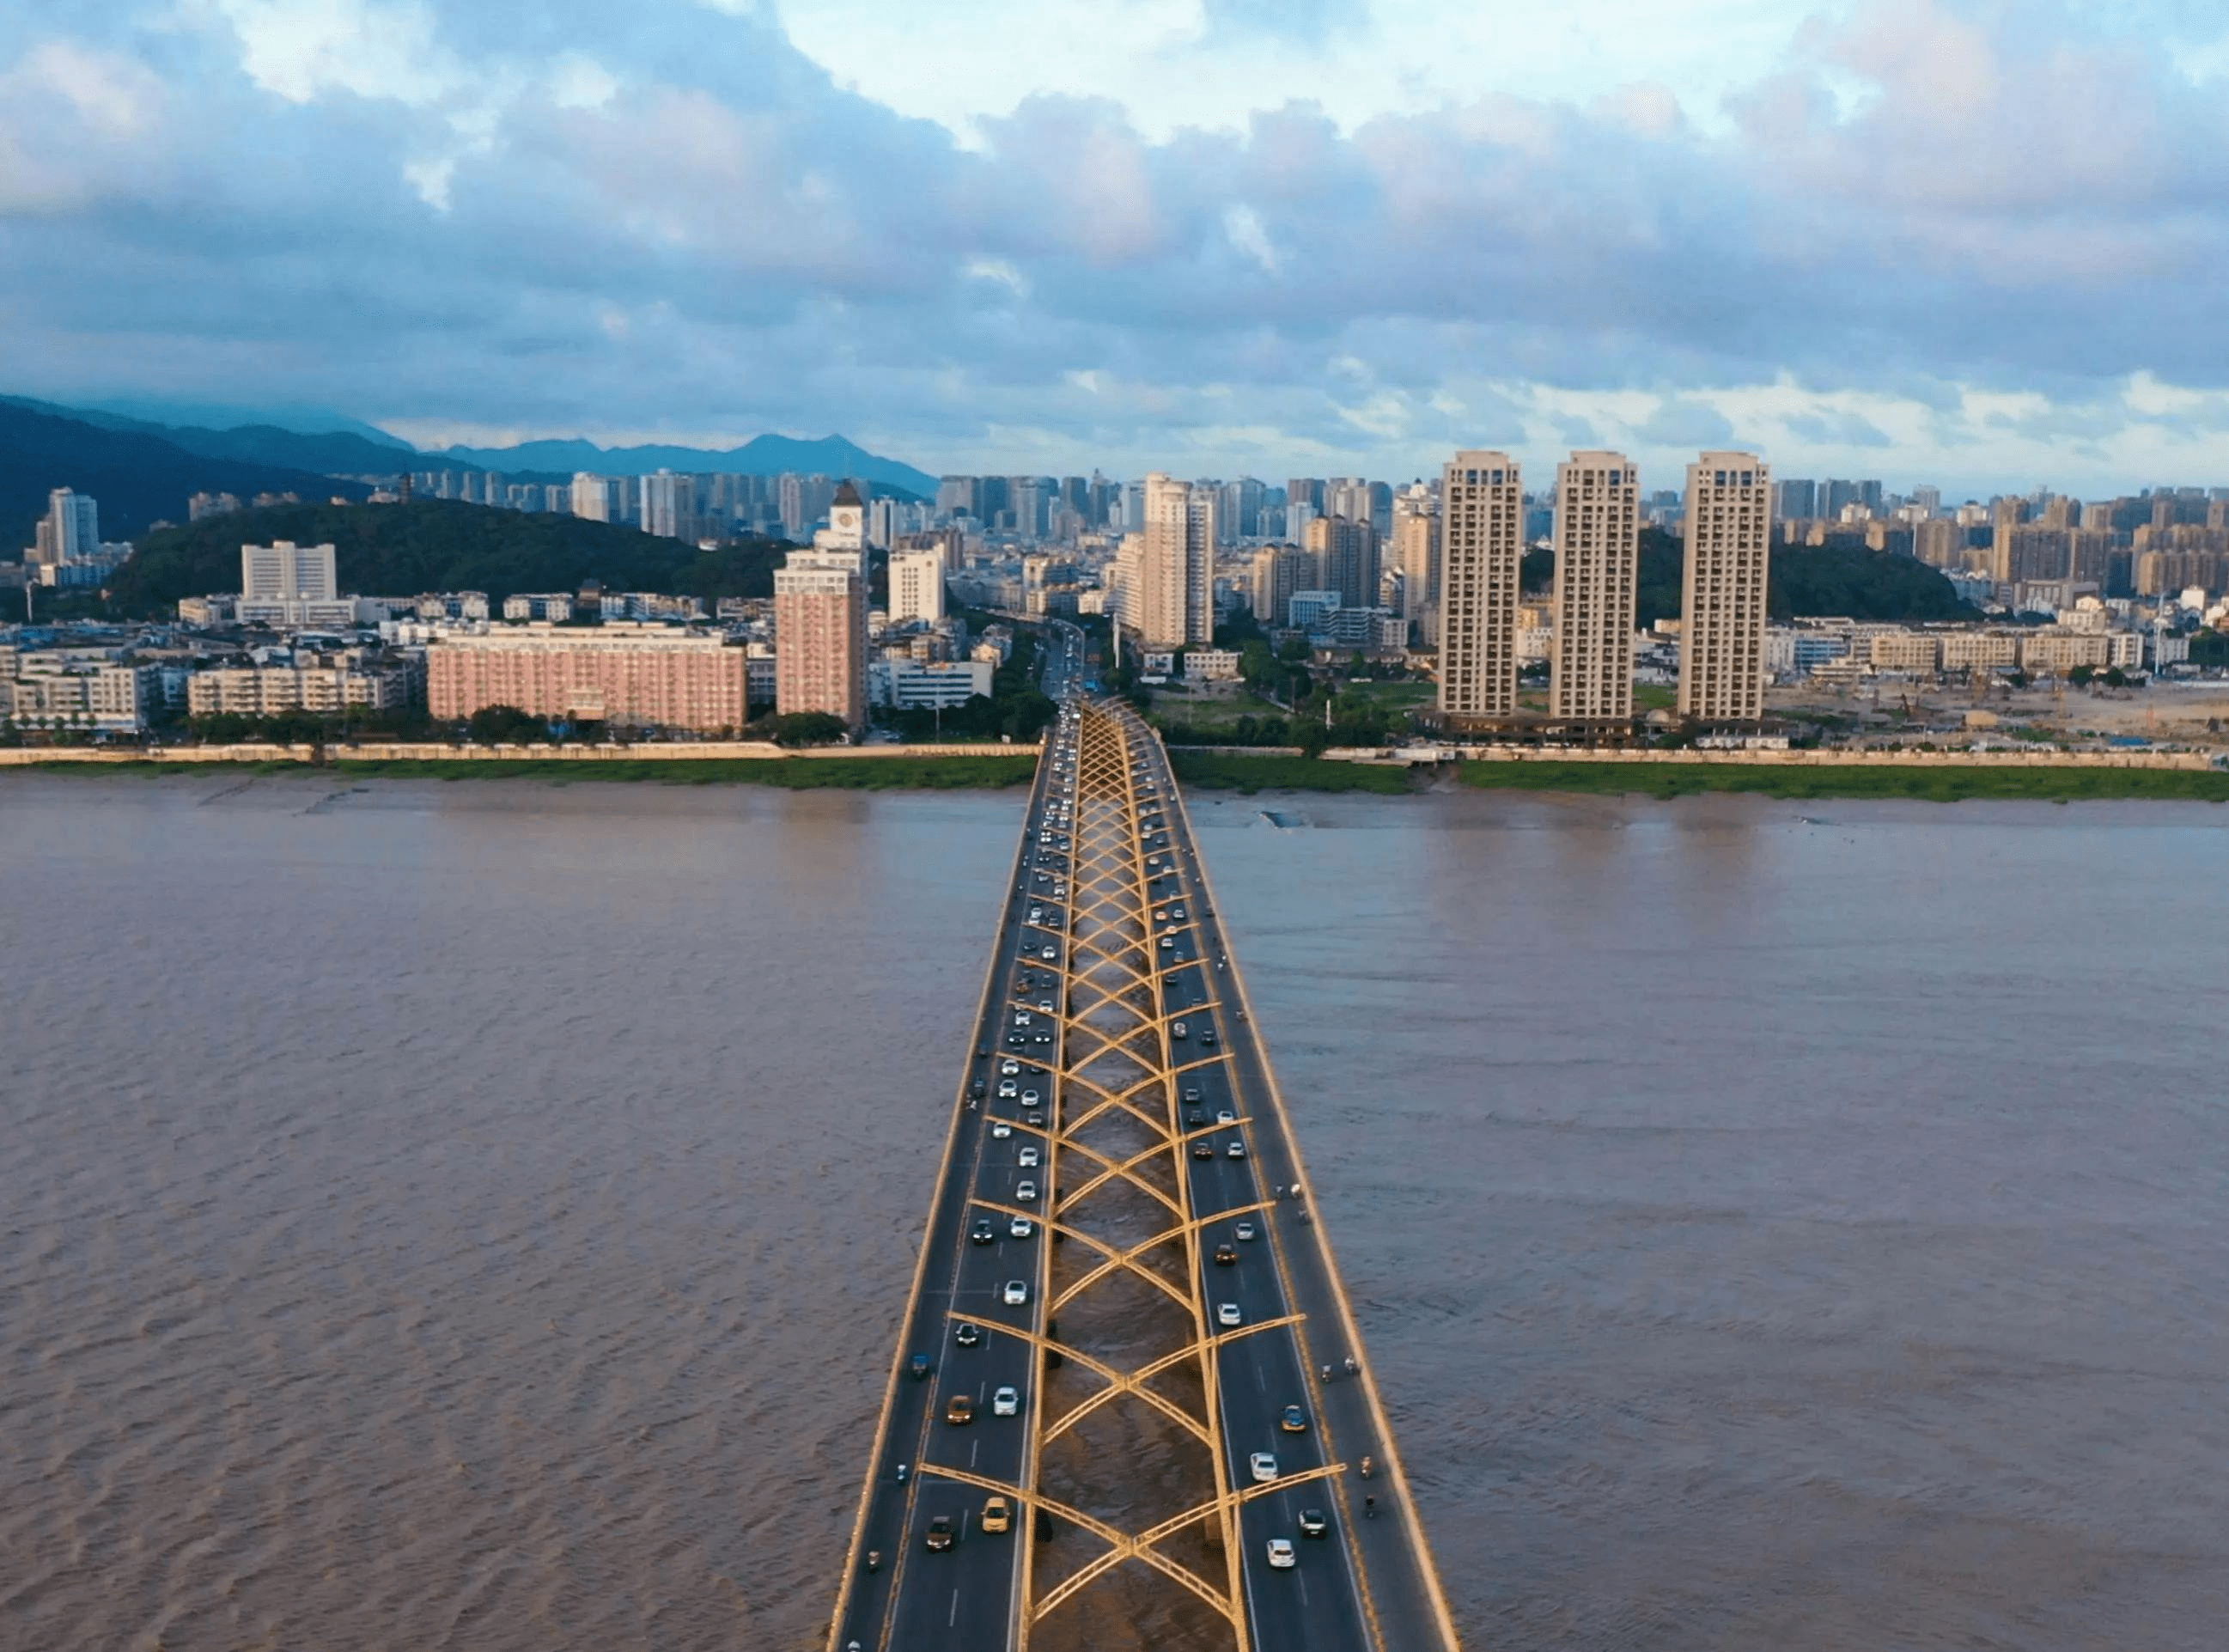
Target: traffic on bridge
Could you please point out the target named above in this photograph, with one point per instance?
(1130, 1405)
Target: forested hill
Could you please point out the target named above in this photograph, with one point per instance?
(1848, 582)
(440, 545)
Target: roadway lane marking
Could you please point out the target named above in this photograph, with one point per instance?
(952, 1618)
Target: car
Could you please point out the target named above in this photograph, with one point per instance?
(1191, 1092)
(1228, 1314)
(959, 1410)
(1001, 1129)
(1044, 1005)
(975, 1089)
(1020, 1227)
(1293, 1420)
(1202, 1148)
(1177, 912)
(1243, 1230)
(998, 1515)
(1179, 1030)
(1313, 1523)
(1036, 913)
(1025, 1191)
(1235, 1150)
(1005, 1402)
(1016, 1040)
(1166, 942)
(939, 1533)
(1027, 1157)
(1030, 1098)
(1044, 1037)
(1036, 1119)
(968, 1335)
(1226, 1255)
(1016, 1293)
(1282, 1558)
(1264, 1466)
(1194, 1119)
(1051, 953)
(981, 1230)
(918, 1367)
(1207, 1036)
(1008, 1088)
(1009, 1067)
(1224, 1115)
(1023, 1018)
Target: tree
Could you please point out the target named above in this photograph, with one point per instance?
(1257, 666)
(808, 729)
(494, 725)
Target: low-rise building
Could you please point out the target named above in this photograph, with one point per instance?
(917, 684)
(274, 690)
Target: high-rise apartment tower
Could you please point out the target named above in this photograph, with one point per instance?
(1176, 565)
(1729, 529)
(1481, 559)
(1598, 561)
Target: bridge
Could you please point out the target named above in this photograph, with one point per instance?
(1130, 1407)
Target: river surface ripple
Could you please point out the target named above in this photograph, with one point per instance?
(477, 1215)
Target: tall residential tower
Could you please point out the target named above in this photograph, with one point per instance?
(1597, 563)
(1481, 558)
(1175, 604)
(1729, 529)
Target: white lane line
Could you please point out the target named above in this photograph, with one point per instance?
(953, 1616)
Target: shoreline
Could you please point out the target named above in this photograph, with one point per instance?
(1247, 775)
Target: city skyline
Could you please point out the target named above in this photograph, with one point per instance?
(1204, 235)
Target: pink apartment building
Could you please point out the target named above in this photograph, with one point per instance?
(636, 675)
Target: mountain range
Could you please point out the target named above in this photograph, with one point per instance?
(342, 448)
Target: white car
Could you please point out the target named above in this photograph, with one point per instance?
(1282, 1558)
(1008, 1090)
(1017, 1292)
(1044, 1007)
(1027, 1157)
(1264, 1465)
(1010, 1067)
(999, 1127)
(1029, 1098)
(1021, 1017)
(1025, 1193)
(1228, 1314)
(1020, 1227)
(1224, 1115)
(1243, 1230)
(1005, 1403)
(1051, 954)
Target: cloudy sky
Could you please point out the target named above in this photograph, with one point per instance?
(1979, 242)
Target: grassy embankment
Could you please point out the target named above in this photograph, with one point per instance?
(797, 773)
(1214, 772)
(1945, 785)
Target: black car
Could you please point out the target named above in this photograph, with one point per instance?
(1202, 1148)
(939, 1533)
(976, 1089)
(1225, 1255)
(1313, 1523)
(917, 1367)
(968, 1335)
(981, 1231)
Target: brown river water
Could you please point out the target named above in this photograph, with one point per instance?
(477, 1215)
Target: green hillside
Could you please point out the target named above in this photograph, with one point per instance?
(440, 545)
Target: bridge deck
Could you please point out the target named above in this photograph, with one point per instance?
(1138, 1186)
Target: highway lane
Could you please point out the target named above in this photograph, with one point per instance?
(1368, 1571)
(965, 1595)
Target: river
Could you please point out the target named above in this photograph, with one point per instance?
(475, 1215)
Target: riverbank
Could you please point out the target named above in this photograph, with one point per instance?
(793, 774)
(1944, 784)
(1220, 771)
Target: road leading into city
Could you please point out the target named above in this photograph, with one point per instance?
(1112, 996)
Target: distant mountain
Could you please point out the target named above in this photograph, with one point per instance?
(346, 448)
(760, 456)
(137, 478)
(156, 415)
